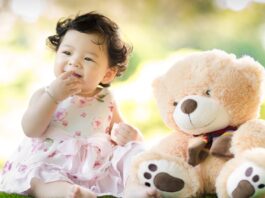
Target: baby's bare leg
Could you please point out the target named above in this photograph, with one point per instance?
(40, 189)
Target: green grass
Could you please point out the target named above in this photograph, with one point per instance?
(5, 195)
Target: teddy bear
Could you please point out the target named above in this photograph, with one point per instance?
(211, 102)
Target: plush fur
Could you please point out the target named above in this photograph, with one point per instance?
(211, 101)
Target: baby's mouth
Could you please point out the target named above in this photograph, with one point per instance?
(77, 75)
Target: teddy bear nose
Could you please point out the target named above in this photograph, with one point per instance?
(188, 106)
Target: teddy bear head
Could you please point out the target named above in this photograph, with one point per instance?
(208, 91)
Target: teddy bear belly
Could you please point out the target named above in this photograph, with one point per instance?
(209, 170)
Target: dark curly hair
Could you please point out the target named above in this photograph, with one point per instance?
(94, 23)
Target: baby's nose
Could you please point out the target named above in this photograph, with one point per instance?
(72, 67)
(75, 62)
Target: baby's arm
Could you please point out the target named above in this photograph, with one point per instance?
(44, 102)
(38, 114)
(123, 133)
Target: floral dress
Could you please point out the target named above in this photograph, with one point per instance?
(75, 148)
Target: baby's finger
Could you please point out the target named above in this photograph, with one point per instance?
(66, 75)
(121, 143)
(71, 80)
(69, 75)
(128, 130)
(119, 139)
(129, 134)
(122, 134)
(125, 126)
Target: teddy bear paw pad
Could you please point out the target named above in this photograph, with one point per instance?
(161, 174)
(246, 181)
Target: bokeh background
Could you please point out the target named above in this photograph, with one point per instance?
(159, 30)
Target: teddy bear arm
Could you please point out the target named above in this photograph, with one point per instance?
(174, 145)
(249, 135)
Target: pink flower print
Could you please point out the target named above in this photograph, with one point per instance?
(7, 167)
(61, 114)
(111, 107)
(84, 114)
(97, 164)
(109, 117)
(22, 168)
(36, 145)
(81, 102)
(96, 124)
(65, 123)
(107, 130)
(52, 154)
(72, 177)
(42, 145)
(77, 133)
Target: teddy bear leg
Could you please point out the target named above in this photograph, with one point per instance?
(243, 177)
(170, 177)
(140, 191)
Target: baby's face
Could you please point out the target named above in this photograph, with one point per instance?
(81, 53)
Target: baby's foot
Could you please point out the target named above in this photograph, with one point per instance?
(80, 192)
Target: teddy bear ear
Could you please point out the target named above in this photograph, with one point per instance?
(161, 96)
(158, 86)
(255, 73)
(252, 70)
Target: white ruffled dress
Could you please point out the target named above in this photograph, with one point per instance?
(76, 148)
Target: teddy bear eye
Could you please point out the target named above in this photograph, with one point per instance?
(208, 92)
(175, 103)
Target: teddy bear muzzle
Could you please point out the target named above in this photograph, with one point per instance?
(197, 114)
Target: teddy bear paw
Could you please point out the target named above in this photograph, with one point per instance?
(163, 175)
(246, 181)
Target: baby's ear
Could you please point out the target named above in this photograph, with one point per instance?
(110, 75)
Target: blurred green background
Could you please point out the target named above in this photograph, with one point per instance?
(158, 30)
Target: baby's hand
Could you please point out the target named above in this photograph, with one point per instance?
(65, 85)
(123, 133)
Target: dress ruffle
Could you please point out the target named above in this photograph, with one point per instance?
(93, 162)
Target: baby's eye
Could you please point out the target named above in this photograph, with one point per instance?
(88, 59)
(66, 53)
